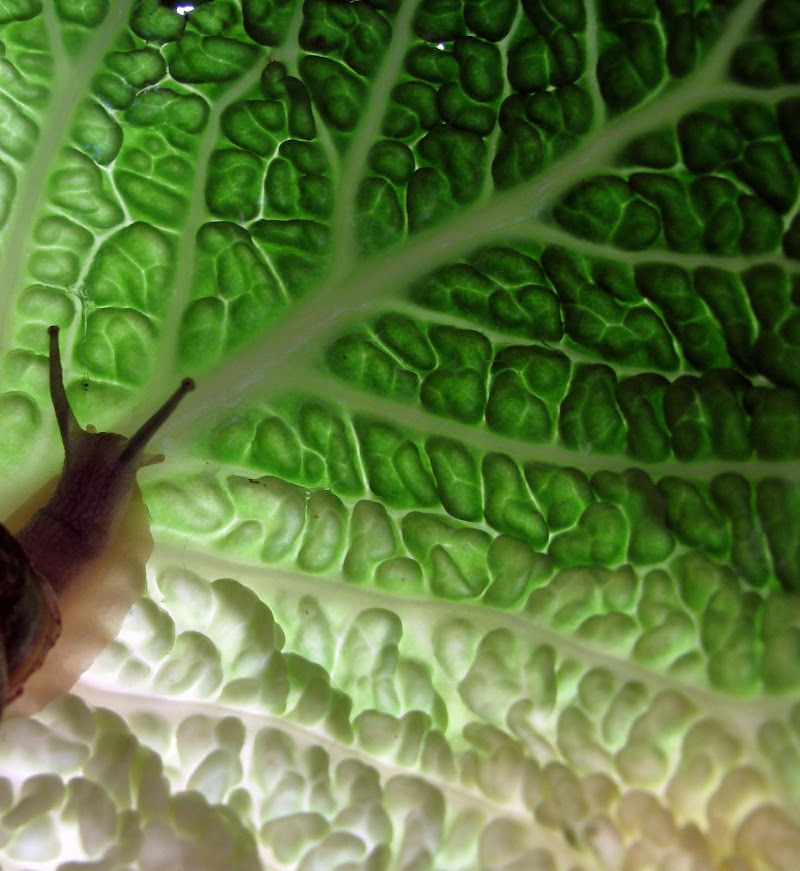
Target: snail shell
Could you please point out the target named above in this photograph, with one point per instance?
(77, 562)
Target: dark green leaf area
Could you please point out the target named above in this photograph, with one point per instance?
(154, 22)
(490, 19)
(457, 480)
(413, 109)
(229, 265)
(461, 112)
(778, 503)
(614, 277)
(362, 364)
(769, 293)
(255, 125)
(725, 296)
(178, 117)
(393, 465)
(439, 20)
(682, 230)
(765, 168)
(129, 73)
(392, 160)
(733, 497)
(791, 239)
(562, 493)
(789, 123)
(671, 289)
(590, 421)
(775, 425)
(292, 188)
(614, 11)
(509, 507)
(429, 199)
(456, 348)
(514, 411)
(528, 66)
(536, 62)
(266, 21)
(519, 155)
(694, 519)
(480, 71)
(649, 541)
(431, 64)
(762, 229)
(593, 317)
(715, 200)
(706, 416)
(657, 149)
(337, 93)
(459, 394)
(687, 39)
(19, 10)
(559, 116)
(215, 19)
(641, 400)
(708, 143)
(552, 14)
(233, 188)
(545, 372)
(460, 156)
(299, 251)
(323, 431)
(453, 557)
(292, 93)
(605, 209)
(781, 17)
(509, 267)
(355, 32)
(599, 538)
(507, 289)
(767, 63)
(530, 311)
(630, 68)
(457, 289)
(197, 59)
(379, 216)
(407, 341)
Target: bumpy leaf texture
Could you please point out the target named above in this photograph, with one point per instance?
(478, 546)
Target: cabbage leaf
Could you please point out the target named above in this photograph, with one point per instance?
(478, 546)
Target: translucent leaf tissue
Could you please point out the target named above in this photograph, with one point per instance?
(478, 546)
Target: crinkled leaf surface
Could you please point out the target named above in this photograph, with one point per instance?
(478, 546)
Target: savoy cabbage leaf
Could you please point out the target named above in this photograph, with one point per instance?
(478, 546)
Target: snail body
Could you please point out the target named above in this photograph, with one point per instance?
(75, 562)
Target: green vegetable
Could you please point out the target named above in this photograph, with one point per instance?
(478, 545)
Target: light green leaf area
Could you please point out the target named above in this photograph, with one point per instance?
(478, 544)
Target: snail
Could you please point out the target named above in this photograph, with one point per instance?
(72, 558)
